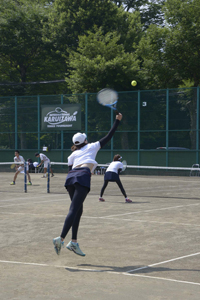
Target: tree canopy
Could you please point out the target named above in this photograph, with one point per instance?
(53, 40)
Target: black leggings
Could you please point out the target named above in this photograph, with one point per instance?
(77, 194)
(119, 185)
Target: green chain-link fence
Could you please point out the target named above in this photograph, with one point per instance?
(165, 119)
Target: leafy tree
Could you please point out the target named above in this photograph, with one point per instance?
(71, 18)
(183, 49)
(150, 11)
(183, 41)
(101, 61)
(131, 4)
(25, 54)
(171, 55)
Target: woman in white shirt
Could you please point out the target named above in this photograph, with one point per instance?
(112, 174)
(81, 164)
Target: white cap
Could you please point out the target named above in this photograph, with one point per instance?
(79, 138)
(35, 164)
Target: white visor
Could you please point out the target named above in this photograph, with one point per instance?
(79, 138)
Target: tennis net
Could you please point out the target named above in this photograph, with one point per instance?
(60, 170)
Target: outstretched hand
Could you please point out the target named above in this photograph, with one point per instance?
(119, 117)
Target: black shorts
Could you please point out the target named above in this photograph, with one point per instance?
(80, 175)
(111, 176)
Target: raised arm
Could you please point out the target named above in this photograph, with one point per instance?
(110, 134)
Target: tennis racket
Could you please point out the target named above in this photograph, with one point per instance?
(109, 98)
(124, 165)
(12, 166)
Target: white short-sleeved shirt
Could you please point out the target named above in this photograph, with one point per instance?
(18, 159)
(86, 154)
(44, 157)
(114, 166)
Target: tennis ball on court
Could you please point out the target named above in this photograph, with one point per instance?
(133, 82)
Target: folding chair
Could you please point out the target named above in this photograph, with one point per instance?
(195, 172)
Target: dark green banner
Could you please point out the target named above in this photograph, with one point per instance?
(61, 117)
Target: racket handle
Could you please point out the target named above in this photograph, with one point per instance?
(116, 112)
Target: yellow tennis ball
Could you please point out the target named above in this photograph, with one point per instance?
(133, 82)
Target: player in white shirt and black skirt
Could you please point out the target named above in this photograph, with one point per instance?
(81, 164)
(112, 175)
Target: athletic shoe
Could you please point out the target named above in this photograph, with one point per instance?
(12, 183)
(101, 199)
(52, 175)
(43, 176)
(128, 200)
(75, 248)
(29, 183)
(58, 244)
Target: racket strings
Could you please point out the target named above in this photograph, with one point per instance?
(107, 97)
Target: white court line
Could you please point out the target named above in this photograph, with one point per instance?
(26, 198)
(165, 188)
(148, 221)
(163, 262)
(46, 265)
(98, 271)
(16, 204)
(150, 210)
(135, 212)
(162, 278)
(101, 218)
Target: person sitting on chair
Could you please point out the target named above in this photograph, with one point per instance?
(30, 164)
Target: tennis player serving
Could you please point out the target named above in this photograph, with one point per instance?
(81, 164)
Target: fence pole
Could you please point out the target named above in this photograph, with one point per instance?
(111, 120)
(16, 144)
(38, 108)
(197, 128)
(167, 127)
(138, 137)
(62, 137)
(86, 113)
(48, 178)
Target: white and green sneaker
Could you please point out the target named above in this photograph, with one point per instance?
(58, 244)
(75, 248)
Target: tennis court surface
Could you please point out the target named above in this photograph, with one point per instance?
(147, 250)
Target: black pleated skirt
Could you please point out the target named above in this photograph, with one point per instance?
(111, 176)
(80, 175)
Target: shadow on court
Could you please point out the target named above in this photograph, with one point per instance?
(147, 270)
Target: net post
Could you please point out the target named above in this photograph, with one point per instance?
(25, 179)
(48, 178)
